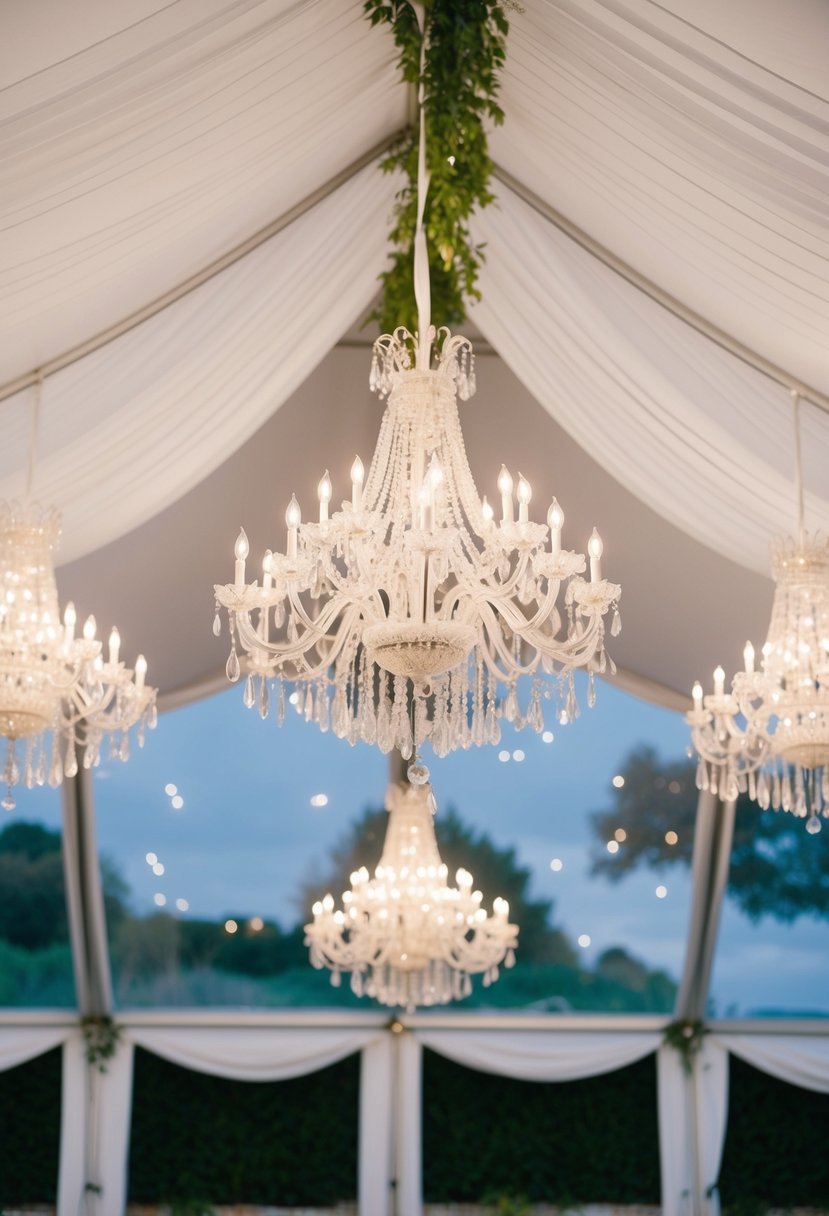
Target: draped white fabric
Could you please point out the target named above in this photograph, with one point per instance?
(702, 439)
(534, 1055)
(797, 1059)
(21, 1043)
(524, 1055)
(132, 427)
(252, 1053)
(133, 163)
(704, 165)
(692, 1119)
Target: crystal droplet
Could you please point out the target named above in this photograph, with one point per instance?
(336, 979)
(8, 803)
(591, 690)
(249, 695)
(813, 825)
(233, 670)
(217, 626)
(616, 624)
(511, 710)
(418, 773)
(509, 961)
(263, 700)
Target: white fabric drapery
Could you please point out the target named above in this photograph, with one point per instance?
(702, 439)
(129, 429)
(797, 1059)
(702, 164)
(692, 1120)
(525, 1055)
(133, 163)
(245, 1054)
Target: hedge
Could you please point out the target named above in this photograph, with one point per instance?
(30, 1130)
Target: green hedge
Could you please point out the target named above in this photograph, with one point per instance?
(776, 1153)
(287, 1143)
(486, 1136)
(30, 1131)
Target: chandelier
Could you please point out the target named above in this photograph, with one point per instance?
(769, 737)
(58, 694)
(412, 612)
(406, 936)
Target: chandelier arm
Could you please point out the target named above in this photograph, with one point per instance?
(282, 653)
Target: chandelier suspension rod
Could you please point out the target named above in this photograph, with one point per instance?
(798, 469)
(422, 285)
(33, 434)
(703, 326)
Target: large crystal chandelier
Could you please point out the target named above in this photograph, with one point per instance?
(769, 737)
(412, 612)
(58, 694)
(406, 936)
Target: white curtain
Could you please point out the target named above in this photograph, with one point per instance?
(692, 139)
(525, 1055)
(21, 1043)
(129, 429)
(797, 1059)
(692, 1119)
(138, 146)
(246, 1054)
(694, 433)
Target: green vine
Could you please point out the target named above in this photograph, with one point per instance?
(686, 1036)
(102, 1036)
(465, 50)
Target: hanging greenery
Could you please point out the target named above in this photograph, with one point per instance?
(102, 1036)
(686, 1036)
(465, 50)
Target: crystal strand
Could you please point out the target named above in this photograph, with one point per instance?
(8, 802)
(28, 774)
(591, 690)
(263, 698)
(280, 703)
(308, 708)
(616, 623)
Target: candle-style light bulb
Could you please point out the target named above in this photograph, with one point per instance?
(293, 518)
(435, 472)
(555, 522)
(505, 488)
(748, 658)
(426, 500)
(267, 570)
(696, 693)
(69, 619)
(140, 671)
(89, 627)
(357, 475)
(324, 492)
(241, 549)
(524, 493)
(114, 645)
(487, 512)
(595, 548)
(719, 682)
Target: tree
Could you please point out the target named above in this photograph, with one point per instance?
(32, 888)
(777, 869)
(496, 872)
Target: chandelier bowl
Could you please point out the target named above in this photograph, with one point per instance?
(419, 652)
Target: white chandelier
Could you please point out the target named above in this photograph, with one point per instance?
(57, 693)
(406, 936)
(769, 737)
(411, 612)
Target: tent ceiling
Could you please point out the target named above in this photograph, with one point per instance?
(144, 141)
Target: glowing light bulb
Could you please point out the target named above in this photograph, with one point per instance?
(524, 493)
(357, 475)
(324, 492)
(140, 671)
(555, 522)
(69, 619)
(114, 645)
(293, 518)
(719, 682)
(89, 628)
(696, 693)
(241, 549)
(748, 657)
(595, 548)
(505, 487)
(487, 512)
